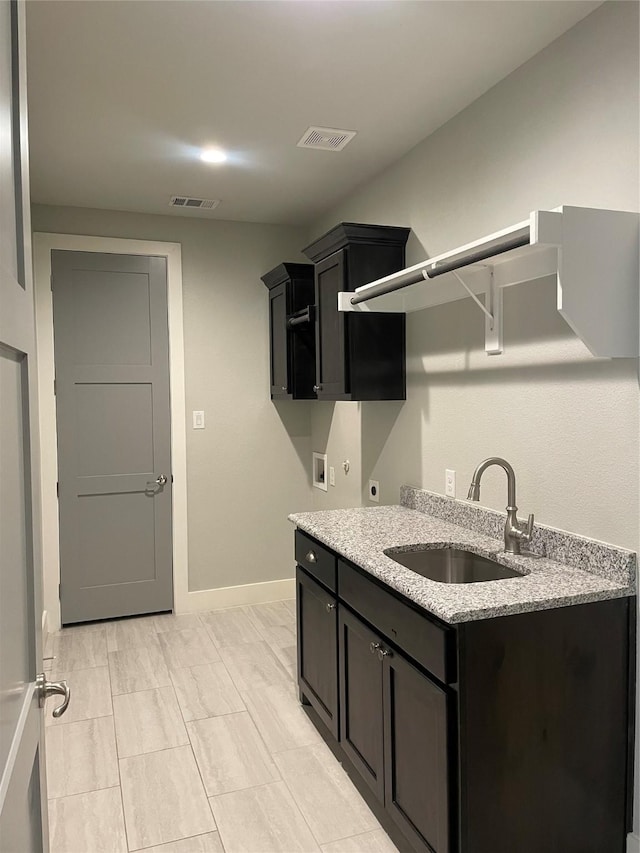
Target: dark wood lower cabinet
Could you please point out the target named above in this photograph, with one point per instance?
(317, 648)
(361, 706)
(523, 743)
(417, 754)
(394, 730)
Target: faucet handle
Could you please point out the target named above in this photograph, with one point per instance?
(528, 531)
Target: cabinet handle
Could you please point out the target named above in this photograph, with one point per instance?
(384, 653)
(374, 647)
(317, 388)
(330, 606)
(310, 557)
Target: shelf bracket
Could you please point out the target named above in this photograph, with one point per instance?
(493, 320)
(491, 308)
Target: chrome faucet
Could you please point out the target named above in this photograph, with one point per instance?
(515, 531)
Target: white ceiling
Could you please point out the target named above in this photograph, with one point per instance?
(123, 94)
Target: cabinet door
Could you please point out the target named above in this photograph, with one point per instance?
(416, 755)
(331, 369)
(317, 648)
(278, 336)
(361, 728)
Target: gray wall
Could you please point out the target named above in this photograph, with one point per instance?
(250, 467)
(562, 129)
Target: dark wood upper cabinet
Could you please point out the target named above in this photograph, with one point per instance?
(291, 331)
(359, 356)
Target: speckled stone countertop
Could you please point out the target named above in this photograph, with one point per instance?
(589, 571)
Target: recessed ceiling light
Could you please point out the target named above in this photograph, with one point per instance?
(213, 155)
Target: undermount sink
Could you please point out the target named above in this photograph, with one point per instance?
(451, 565)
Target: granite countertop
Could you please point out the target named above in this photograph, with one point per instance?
(361, 535)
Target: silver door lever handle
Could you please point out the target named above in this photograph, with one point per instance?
(53, 688)
(161, 479)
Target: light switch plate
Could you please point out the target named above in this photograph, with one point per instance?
(198, 420)
(332, 475)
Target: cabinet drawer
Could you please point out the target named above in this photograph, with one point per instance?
(317, 560)
(431, 645)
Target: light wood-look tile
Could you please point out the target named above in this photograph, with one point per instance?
(209, 843)
(148, 721)
(271, 614)
(279, 717)
(288, 657)
(325, 795)
(141, 668)
(230, 627)
(81, 757)
(79, 650)
(263, 819)
(290, 604)
(278, 636)
(376, 841)
(176, 622)
(87, 822)
(230, 753)
(206, 691)
(90, 696)
(253, 665)
(130, 633)
(163, 798)
(189, 647)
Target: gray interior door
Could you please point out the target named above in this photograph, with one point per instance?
(114, 443)
(23, 825)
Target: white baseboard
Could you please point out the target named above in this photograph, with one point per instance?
(633, 843)
(234, 596)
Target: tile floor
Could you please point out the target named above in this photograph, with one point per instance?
(184, 735)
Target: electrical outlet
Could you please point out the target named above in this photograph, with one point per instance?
(198, 420)
(332, 475)
(450, 483)
(374, 491)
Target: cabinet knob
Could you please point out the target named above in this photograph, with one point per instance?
(317, 388)
(310, 557)
(384, 653)
(374, 647)
(330, 606)
(283, 387)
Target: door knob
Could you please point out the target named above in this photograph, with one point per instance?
(330, 606)
(53, 688)
(384, 653)
(373, 647)
(161, 479)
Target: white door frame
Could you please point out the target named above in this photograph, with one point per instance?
(43, 243)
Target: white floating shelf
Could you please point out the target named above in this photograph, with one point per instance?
(592, 253)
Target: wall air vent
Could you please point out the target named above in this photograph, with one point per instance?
(194, 203)
(326, 138)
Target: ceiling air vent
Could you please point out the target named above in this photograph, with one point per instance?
(326, 138)
(194, 203)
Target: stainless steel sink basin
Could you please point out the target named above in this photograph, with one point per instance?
(451, 565)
